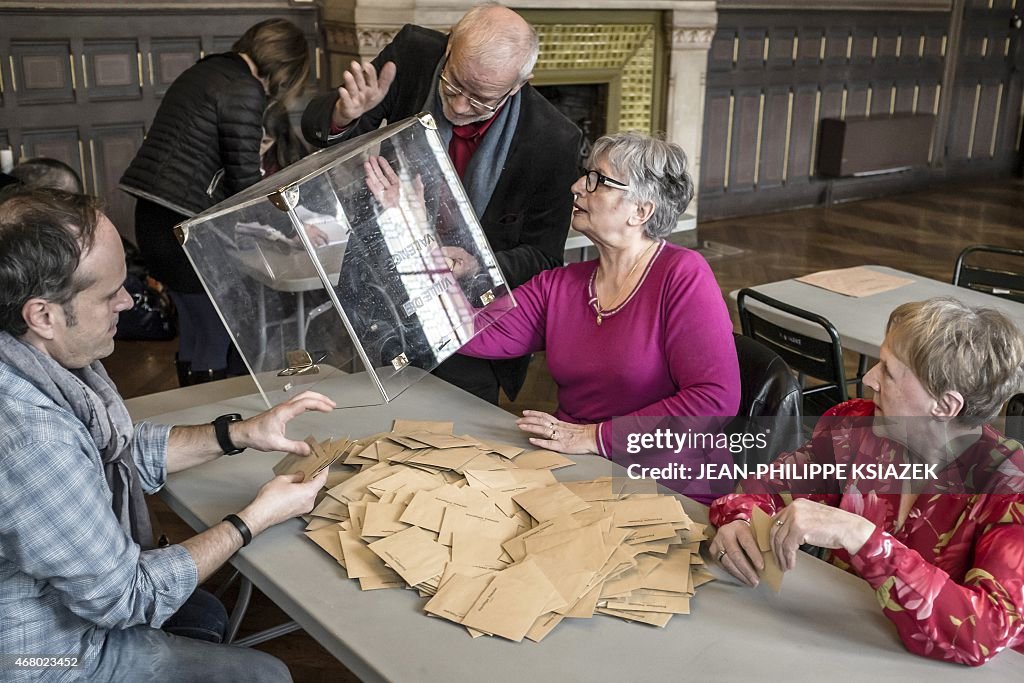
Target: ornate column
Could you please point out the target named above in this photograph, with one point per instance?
(690, 34)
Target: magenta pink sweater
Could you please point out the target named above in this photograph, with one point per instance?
(667, 350)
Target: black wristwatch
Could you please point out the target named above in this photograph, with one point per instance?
(220, 428)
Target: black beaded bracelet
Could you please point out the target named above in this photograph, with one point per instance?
(236, 521)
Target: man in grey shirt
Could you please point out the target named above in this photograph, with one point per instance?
(83, 590)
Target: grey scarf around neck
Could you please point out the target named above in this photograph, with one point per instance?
(485, 167)
(89, 394)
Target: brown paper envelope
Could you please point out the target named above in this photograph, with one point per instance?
(646, 511)
(327, 538)
(357, 514)
(331, 509)
(488, 461)
(632, 579)
(671, 574)
(359, 560)
(426, 510)
(447, 458)
(503, 449)
(504, 479)
(650, 618)
(479, 550)
(406, 478)
(652, 532)
(544, 625)
(762, 525)
(553, 501)
(701, 576)
(657, 547)
(319, 523)
(408, 442)
(456, 596)
(542, 460)
(585, 606)
(373, 583)
(442, 440)
(512, 602)
(465, 569)
(382, 520)
(432, 427)
(594, 489)
(352, 489)
(413, 553)
(627, 486)
(307, 465)
(644, 601)
(572, 565)
(338, 475)
(516, 547)
(486, 523)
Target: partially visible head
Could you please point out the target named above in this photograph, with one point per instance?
(42, 172)
(958, 352)
(491, 55)
(61, 274)
(279, 50)
(279, 138)
(656, 172)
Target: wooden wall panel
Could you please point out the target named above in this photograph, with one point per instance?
(715, 145)
(986, 123)
(773, 137)
(817, 64)
(746, 113)
(42, 72)
(168, 58)
(112, 70)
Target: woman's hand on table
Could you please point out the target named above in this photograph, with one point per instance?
(736, 549)
(555, 435)
(805, 521)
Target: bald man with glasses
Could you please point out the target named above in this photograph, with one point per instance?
(516, 154)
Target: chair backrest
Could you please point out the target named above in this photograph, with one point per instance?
(1000, 281)
(770, 402)
(802, 352)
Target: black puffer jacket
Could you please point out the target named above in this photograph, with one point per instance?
(204, 144)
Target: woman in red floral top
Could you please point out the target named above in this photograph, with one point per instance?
(947, 558)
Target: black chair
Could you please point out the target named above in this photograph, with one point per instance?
(1006, 284)
(997, 281)
(770, 403)
(803, 353)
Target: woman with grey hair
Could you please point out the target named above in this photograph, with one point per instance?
(641, 330)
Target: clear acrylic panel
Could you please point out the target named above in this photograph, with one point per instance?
(364, 259)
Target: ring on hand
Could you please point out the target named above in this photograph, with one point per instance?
(721, 554)
(554, 434)
(778, 522)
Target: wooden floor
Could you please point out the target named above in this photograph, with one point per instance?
(921, 233)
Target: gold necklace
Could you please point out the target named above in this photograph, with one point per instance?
(596, 302)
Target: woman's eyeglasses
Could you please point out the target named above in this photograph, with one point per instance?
(452, 90)
(595, 178)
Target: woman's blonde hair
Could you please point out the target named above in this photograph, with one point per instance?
(949, 346)
(279, 50)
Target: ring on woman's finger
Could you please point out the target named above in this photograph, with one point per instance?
(721, 553)
(554, 435)
(778, 522)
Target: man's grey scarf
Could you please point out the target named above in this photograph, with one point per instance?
(90, 395)
(485, 167)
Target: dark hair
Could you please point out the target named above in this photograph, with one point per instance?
(287, 147)
(279, 50)
(41, 172)
(43, 234)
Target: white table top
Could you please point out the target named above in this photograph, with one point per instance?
(861, 321)
(825, 622)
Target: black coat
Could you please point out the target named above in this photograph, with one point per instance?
(528, 217)
(203, 147)
(204, 144)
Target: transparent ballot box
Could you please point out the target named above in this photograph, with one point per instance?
(364, 259)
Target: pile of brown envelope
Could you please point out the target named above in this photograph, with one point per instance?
(496, 543)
